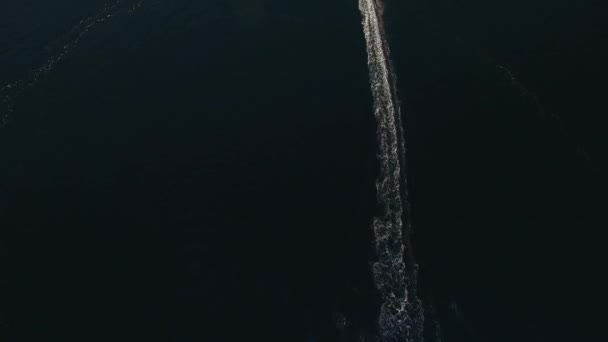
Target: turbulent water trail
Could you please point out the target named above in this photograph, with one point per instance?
(401, 316)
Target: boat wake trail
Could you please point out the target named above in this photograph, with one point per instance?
(401, 317)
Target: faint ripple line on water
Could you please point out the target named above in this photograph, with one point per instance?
(401, 316)
(11, 91)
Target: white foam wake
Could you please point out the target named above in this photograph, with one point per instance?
(401, 313)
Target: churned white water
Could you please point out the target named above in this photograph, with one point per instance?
(400, 314)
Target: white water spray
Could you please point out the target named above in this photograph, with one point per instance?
(401, 316)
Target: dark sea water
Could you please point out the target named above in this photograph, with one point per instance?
(204, 170)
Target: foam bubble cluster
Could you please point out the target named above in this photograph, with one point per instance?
(401, 315)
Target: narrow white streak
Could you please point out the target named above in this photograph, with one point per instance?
(11, 91)
(400, 314)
